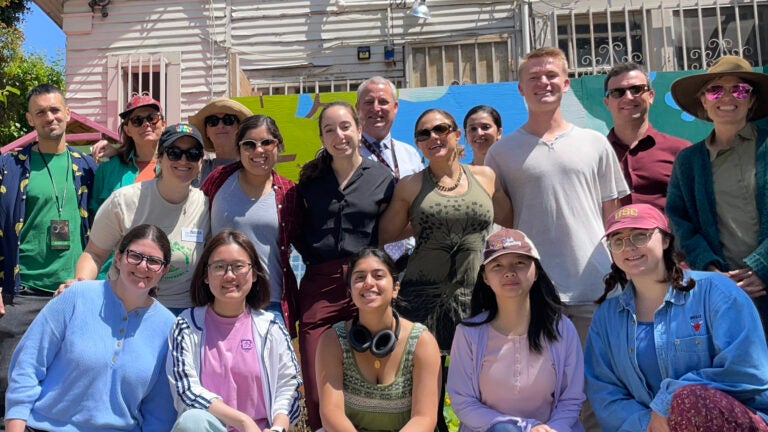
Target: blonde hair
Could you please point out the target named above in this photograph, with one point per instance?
(551, 52)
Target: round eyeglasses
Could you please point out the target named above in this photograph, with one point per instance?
(221, 268)
(638, 239)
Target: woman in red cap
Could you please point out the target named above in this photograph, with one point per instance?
(675, 350)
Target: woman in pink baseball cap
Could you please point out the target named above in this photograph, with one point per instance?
(675, 350)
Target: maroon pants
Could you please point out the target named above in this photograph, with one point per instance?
(323, 301)
(699, 408)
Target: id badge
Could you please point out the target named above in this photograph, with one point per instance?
(59, 231)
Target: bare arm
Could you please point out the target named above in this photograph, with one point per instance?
(393, 223)
(90, 262)
(15, 425)
(232, 417)
(330, 378)
(426, 385)
(609, 207)
(503, 213)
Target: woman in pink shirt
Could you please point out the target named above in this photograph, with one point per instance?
(230, 363)
(517, 364)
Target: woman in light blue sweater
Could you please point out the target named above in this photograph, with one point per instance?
(93, 359)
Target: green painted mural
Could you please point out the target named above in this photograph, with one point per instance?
(296, 115)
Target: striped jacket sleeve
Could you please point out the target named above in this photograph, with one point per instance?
(183, 369)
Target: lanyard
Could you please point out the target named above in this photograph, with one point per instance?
(375, 152)
(59, 204)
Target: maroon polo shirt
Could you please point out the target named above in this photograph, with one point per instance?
(647, 166)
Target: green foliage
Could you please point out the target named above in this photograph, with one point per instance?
(19, 72)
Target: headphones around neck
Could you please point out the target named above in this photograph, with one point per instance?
(380, 345)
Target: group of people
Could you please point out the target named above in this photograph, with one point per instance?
(178, 304)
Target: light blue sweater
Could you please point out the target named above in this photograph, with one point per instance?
(85, 364)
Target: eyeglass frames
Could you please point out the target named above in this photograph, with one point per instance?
(635, 90)
(638, 239)
(440, 130)
(250, 145)
(739, 91)
(221, 268)
(154, 264)
(152, 119)
(174, 153)
(227, 119)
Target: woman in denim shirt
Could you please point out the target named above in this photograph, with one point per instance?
(675, 350)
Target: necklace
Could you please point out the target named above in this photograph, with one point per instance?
(376, 363)
(450, 188)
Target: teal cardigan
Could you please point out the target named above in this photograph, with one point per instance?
(691, 208)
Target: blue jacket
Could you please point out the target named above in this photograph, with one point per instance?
(691, 208)
(14, 176)
(710, 335)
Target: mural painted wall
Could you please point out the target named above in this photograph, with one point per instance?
(296, 115)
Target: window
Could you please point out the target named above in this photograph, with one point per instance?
(157, 74)
(460, 63)
(698, 39)
(592, 42)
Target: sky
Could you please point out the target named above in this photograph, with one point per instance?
(42, 34)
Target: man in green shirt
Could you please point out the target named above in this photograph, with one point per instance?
(43, 218)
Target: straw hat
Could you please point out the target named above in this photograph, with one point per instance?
(216, 106)
(686, 91)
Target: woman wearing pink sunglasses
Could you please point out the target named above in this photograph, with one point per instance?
(717, 192)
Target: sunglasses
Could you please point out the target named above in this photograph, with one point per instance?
(440, 130)
(619, 92)
(152, 119)
(174, 153)
(638, 239)
(154, 264)
(250, 145)
(739, 91)
(227, 119)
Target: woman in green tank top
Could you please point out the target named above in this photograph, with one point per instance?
(377, 372)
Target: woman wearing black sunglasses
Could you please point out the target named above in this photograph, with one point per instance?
(168, 201)
(716, 198)
(218, 122)
(142, 124)
(251, 197)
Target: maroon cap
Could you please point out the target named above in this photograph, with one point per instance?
(643, 216)
(507, 241)
(138, 101)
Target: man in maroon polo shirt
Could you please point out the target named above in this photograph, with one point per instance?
(645, 154)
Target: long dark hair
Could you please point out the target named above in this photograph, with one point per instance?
(673, 272)
(200, 291)
(323, 159)
(546, 307)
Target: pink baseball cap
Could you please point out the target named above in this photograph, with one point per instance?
(643, 216)
(138, 101)
(507, 241)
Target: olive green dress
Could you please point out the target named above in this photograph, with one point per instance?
(450, 235)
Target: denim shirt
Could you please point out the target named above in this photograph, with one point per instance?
(710, 335)
(14, 177)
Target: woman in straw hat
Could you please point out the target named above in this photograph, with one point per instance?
(218, 122)
(717, 192)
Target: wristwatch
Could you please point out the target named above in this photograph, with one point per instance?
(277, 429)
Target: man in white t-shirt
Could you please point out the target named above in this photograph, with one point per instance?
(562, 181)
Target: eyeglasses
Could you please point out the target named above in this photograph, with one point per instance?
(440, 130)
(250, 145)
(638, 239)
(152, 119)
(227, 119)
(154, 264)
(635, 90)
(221, 268)
(174, 153)
(739, 91)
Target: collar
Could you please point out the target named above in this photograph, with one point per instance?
(384, 143)
(747, 133)
(647, 141)
(674, 296)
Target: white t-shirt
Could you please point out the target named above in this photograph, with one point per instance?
(187, 226)
(557, 190)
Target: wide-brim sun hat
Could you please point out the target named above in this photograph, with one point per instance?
(217, 106)
(686, 91)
